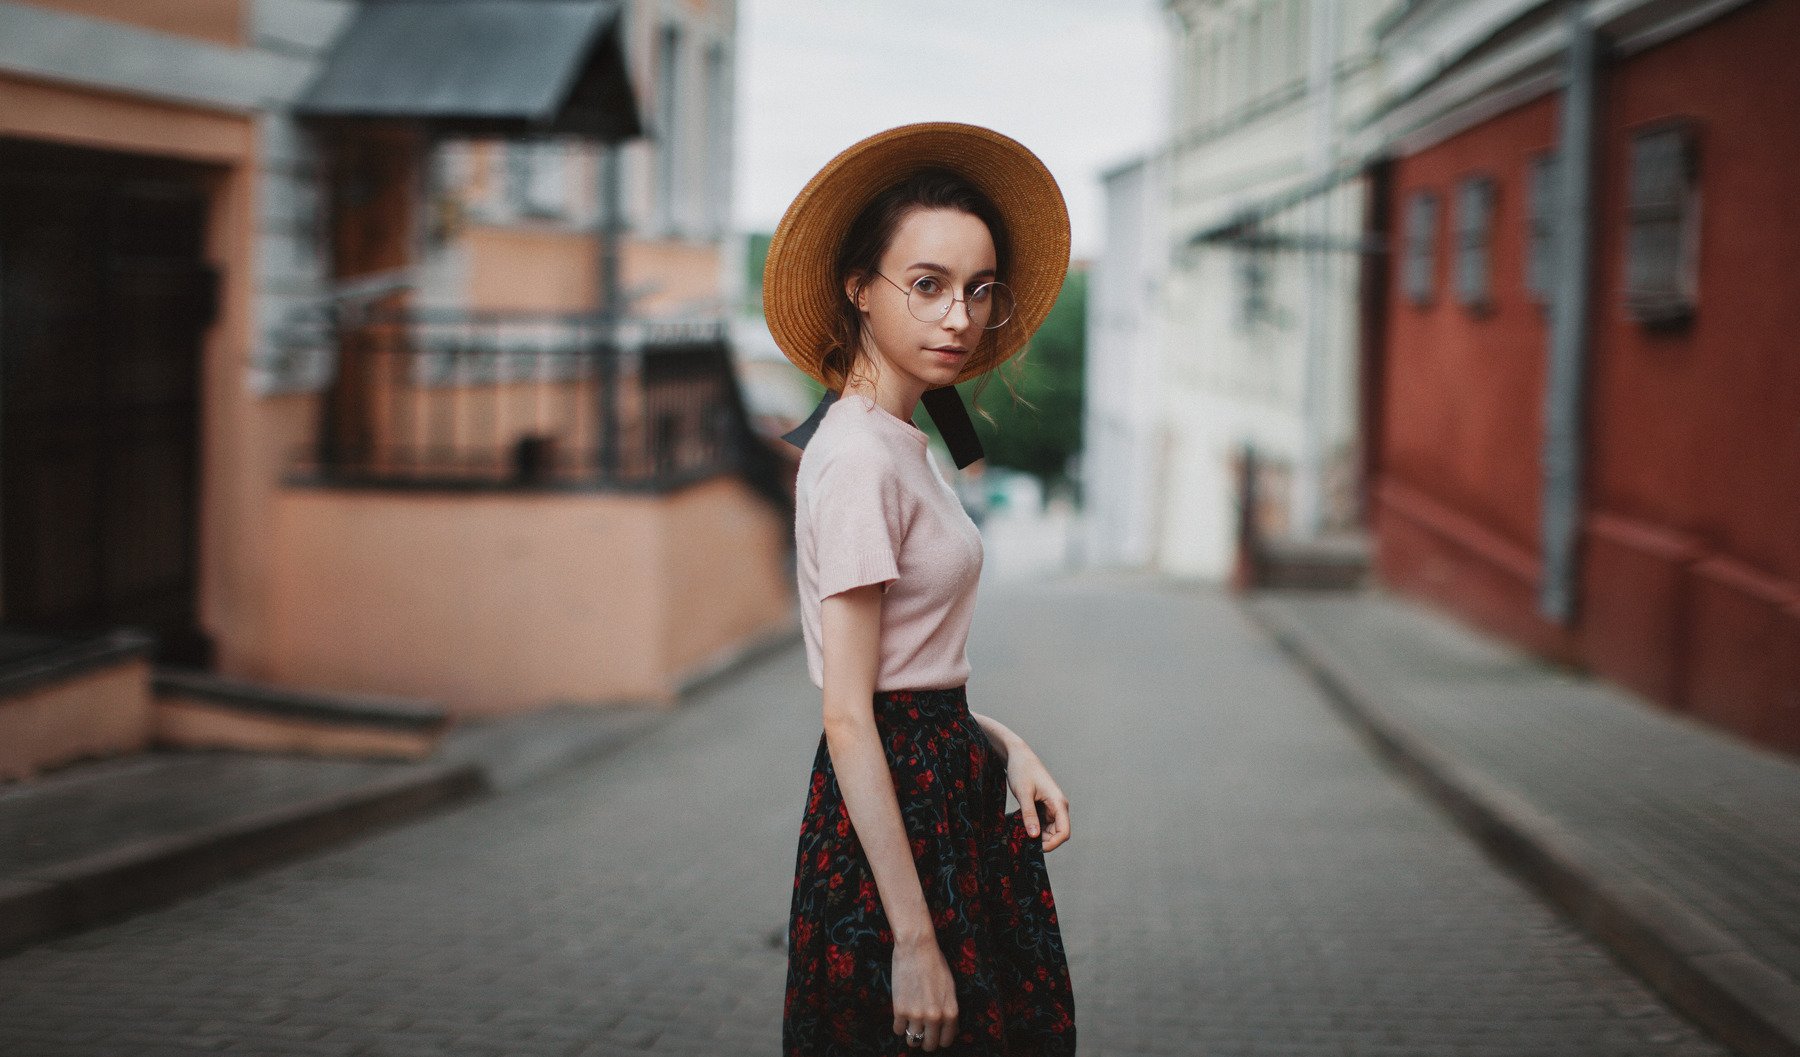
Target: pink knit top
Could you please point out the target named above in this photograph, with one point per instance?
(871, 506)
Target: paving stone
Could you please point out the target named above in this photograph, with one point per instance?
(1244, 879)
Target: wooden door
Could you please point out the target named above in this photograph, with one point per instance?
(105, 298)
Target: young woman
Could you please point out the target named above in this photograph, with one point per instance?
(922, 917)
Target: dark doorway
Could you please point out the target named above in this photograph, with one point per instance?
(105, 297)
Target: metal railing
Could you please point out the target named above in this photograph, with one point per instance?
(531, 400)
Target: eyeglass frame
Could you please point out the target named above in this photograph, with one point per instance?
(907, 291)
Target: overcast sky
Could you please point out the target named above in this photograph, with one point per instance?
(1080, 82)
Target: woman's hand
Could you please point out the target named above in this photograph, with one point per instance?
(1031, 782)
(924, 994)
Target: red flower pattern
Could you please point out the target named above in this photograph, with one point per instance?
(985, 884)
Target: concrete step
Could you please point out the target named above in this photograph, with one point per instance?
(100, 840)
(65, 698)
(199, 709)
(1339, 561)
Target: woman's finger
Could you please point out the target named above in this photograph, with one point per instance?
(1030, 813)
(909, 1032)
(1062, 826)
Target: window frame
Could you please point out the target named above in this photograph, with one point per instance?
(537, 177)
(1418, 260)
(671, 101)
(1472, 232)
(1542, 171)
(1672, 302)
(1253, 267)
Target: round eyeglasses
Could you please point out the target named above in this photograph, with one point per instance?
(989, 305)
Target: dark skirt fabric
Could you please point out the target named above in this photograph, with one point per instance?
(984, 880)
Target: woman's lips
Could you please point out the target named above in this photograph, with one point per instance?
(951, 354)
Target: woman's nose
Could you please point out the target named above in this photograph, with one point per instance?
(967, 318)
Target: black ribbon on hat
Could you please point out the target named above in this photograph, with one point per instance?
(947, 411)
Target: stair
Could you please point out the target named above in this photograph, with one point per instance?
(71, 697)
(1339, 561)
(200, 709)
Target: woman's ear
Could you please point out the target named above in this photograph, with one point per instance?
(853, 287)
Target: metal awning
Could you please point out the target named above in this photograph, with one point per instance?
(1254, 225)
(481, 67)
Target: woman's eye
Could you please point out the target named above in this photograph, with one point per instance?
(927, 285)
(977, 294)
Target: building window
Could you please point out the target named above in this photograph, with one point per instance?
(1475, 242)
(718, 139)
(1212, 86)
(1293, 54)
(1540, 246)
(536, 177)
(1303, 42)
(1419, 263)
(1254, 260)
(1256, 56)
(1662, 226)
(668, 131)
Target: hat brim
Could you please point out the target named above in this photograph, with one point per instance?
(799, 282)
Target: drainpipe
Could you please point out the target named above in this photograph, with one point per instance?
(1309, 513)
(611, 307)
(1572, 283)
(609, 201)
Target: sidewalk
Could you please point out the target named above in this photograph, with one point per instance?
(98, 840)
(1674, 843)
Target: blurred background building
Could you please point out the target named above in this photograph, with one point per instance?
(393, 360)
(1263, 213)
(1585, 420)
(1125, 463)
(1479, 286)
(371, 358)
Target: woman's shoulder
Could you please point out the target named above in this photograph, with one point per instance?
(853, 465)
(847, 442)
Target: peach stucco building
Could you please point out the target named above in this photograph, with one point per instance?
(301, 404)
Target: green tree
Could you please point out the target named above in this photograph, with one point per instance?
(1041, 439)
(756, 254)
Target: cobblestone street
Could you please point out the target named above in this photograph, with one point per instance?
(1244, 880)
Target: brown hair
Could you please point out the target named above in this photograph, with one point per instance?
(867, 239)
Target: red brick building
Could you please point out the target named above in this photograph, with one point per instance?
(1584, 380)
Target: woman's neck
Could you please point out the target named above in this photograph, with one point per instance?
(899, 401)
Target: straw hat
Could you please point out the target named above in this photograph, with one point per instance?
(800, 287)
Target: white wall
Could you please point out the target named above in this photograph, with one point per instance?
(1123, 417)
(1247, 131)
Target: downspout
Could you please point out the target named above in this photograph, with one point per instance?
(611, 307)
(1309, 502)
(1573, 281)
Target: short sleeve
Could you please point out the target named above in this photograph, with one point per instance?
(858, 517)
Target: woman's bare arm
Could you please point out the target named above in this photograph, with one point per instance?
(1030, 782)
(998, 734)
(850, 637)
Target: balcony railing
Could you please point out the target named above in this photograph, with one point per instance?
(531, 400)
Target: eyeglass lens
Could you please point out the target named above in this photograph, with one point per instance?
(990, 305)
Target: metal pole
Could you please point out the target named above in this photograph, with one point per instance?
(1309, 514)
(612, 308)
(1571, 297)
(609, 228)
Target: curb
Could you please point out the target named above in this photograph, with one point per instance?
(735, 660)
(1698, 968)
(121, 881)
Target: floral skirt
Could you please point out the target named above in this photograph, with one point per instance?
(985, 884)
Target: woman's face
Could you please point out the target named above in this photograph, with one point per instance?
(954, 247)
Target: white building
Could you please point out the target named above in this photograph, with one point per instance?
(1124, 463)
(1255, 321)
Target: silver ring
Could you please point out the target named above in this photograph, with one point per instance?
(919, 1037)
